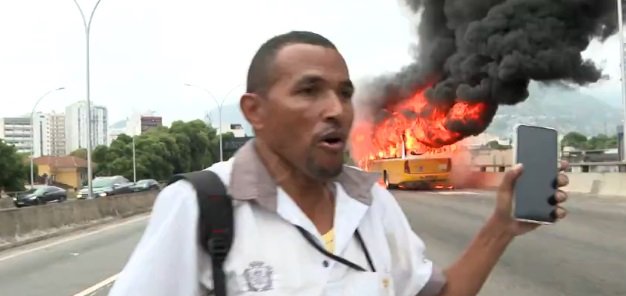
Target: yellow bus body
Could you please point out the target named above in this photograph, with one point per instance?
(413, 173)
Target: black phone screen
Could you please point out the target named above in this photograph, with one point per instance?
(537, 150)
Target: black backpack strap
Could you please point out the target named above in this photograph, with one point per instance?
(215, 228)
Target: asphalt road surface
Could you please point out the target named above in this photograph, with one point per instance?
(71, 264)
(584, 255)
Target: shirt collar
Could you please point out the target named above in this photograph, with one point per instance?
(250, 180)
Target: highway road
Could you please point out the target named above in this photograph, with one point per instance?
(71, 264)
(583, 255)
(580, 256)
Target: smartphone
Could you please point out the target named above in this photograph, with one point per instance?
(536, 148)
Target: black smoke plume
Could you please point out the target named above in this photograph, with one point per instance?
(489, 51)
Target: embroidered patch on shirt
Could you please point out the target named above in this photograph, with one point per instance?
(259, 277)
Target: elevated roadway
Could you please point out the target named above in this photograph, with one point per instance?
(581, 256)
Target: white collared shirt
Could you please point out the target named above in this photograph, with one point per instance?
(270, 257)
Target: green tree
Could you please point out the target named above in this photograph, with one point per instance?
(99, 154)
(496, 145)
(13, 168)
(602, 141)
(153, 159)
(26, 158)
(161, 152)
(574, 139)
(80, 153)
(118, 158)
(99, 157)
(580, 141)
(193, 138)
(172, 151)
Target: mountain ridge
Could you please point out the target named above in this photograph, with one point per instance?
(566, 109)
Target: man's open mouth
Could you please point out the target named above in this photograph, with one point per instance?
(333, 141)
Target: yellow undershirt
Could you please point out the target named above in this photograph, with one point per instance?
(329, 240)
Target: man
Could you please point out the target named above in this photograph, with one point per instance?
(305, 224)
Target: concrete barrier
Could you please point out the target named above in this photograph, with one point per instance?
(6, 203)
(589, 183)
(612, 185)
(600, 184)
(25, 225)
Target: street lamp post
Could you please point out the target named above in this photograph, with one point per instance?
(134, 163)
(219, 110)
(620, 21)
(32, 135)
(87, 25)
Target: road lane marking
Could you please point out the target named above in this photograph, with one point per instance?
(74, 237)
(97, 286)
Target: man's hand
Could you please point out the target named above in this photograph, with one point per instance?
(466, 276)
(504, 202)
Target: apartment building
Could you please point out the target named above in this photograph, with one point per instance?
(17, 131)
(49, 135)
(77, 123)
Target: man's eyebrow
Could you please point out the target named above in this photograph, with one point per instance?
(306, 79)
(315, 79)
(348, 84)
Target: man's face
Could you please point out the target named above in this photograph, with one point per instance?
(308, 109)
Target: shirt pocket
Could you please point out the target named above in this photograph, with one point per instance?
(368, 283)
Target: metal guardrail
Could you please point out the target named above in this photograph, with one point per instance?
(607, 163)
(588, 167)
(580, 167)
(491, 168)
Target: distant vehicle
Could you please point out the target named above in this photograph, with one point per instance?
(146, 185)
(106, 186)
(40, 196)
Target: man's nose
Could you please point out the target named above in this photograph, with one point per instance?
(334, 106)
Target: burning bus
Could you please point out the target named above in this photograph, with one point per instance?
(429, 170)
(470, 59)
(411, 147)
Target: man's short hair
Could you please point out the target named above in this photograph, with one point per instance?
(259, 74)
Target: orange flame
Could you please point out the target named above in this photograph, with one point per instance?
(422, 127)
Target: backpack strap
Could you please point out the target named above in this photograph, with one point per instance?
(215, 228)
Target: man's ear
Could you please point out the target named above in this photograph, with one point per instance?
(253, 109)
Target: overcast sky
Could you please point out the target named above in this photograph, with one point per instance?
(143, 51)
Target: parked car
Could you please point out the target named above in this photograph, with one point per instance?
(106, 186)
(146, 185)
(40, 196)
